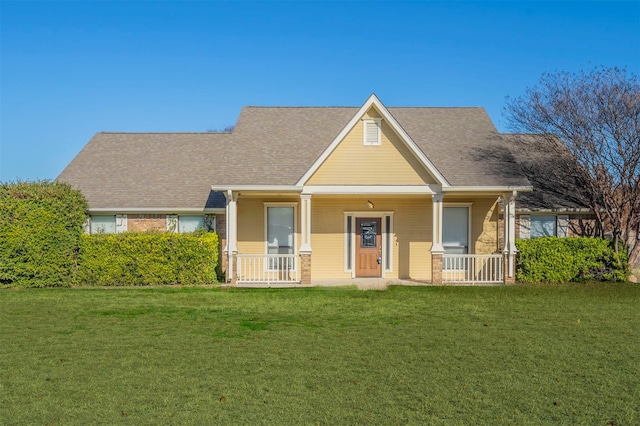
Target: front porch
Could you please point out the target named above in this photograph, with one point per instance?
(270, 239)
(269, 270)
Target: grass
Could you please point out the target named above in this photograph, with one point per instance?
(408, 355)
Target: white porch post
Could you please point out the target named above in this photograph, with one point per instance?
(305, 247)
(437, 246)
(437, 249)
(510, 234)
(305, 219)
(232, 233)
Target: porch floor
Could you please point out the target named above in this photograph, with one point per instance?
(361, 283)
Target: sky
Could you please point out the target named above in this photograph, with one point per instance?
(71, 69)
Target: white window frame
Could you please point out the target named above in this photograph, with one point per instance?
(471, 248)
(561, 226)
(351, 251)
(368, 122)
(295, 229)
(120, 222)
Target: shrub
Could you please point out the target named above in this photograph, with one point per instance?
(560, 260)
(40, 227)
(157, 258)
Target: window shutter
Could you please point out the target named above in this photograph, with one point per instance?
(372, 132)
(525, 226)
(121, 223)
(172, 222)
(562, 224)
(87, 225)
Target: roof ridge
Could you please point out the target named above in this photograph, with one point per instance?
(356, 107)
(165, 133)
(299, 106)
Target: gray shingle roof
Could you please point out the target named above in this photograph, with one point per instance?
(274, 146)
(551, 171)
(150, 170)
(463, 144)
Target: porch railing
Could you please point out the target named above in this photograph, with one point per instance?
(472, 268)
(267, 268)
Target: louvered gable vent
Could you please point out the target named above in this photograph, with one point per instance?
(372, 131)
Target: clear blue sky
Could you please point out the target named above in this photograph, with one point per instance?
(71, 69)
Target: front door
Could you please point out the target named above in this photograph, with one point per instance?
(368, 247)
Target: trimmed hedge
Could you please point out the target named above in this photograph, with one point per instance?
(40, 227)
(560, 260)
(138, 259)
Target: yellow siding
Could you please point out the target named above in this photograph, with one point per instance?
(411, 237)
(484, 223)
(251, 226)
(352, 163)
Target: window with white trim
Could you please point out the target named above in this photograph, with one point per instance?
(103, 224)
(280, 230)
(455, 230)
(371, 131)
(538, 226)
(190, 223)
(348, 243)
(388, 229)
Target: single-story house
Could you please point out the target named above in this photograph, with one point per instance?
(312, 194)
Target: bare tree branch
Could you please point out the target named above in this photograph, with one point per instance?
(596, 116)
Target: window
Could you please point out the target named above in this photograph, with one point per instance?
(537, 226)
(280, 230)
(281, 233)
(455, 230)
(371, 131)
(387, 237)
(347, 243)
(542, 226)
(190, 223)
(103, 224)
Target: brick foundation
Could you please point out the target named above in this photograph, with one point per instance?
(436, 268)
(507, 278)
(233, 281)
(146, 222)
(221, 229)
(305, 268)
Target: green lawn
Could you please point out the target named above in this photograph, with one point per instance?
(407, 355)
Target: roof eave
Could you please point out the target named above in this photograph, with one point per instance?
(488, 189)
(257, 188)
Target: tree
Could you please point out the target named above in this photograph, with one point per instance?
(226, 129)
(595, 117)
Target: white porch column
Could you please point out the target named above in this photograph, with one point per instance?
(232, 232)
(437, 249)
(510, 232)
(437, 224)
(305, 220)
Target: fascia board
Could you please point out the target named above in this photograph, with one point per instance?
(558, 210)
(257, 188)
(154, 210)
(499, 189)
(369, 189)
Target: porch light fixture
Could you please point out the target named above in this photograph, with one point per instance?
(370, 204)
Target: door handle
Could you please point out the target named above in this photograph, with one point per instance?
(379, 260)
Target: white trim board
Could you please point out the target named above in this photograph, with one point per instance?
(370, 189)
(154, 210)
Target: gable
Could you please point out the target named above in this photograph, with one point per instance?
(354, 163)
